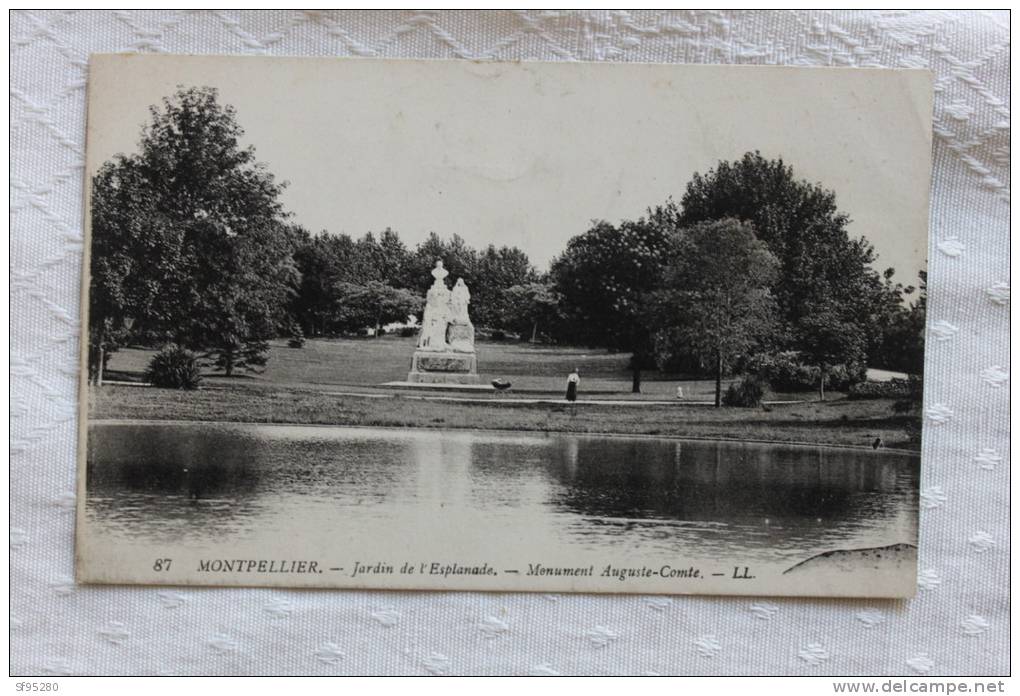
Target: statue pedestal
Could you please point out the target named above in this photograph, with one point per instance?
(443, 367)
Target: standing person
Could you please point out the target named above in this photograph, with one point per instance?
(573, 379)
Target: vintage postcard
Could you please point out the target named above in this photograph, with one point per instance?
(555, 327)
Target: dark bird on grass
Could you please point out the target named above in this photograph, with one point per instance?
(877, 443)
(501, 385)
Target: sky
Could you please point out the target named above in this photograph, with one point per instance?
(528, 154)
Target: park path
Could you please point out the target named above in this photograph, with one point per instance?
(497, 398)
(538, 401)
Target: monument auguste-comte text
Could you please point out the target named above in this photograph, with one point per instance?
(446, 345)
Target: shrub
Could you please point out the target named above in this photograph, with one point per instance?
(498, 335)
(748, 392)
(408, 331)
(893, 389)
(174, 367)
(297, 336)
(236, 353)
(844, 377)
(786, 373)
(904, 406)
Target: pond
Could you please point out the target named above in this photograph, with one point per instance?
(378, 493)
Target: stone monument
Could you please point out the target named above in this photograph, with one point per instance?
(446, 344)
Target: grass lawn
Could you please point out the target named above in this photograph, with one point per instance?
(369, 362)
(301, 385)
(841, 422)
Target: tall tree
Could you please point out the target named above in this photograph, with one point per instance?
(901, 326)
(457, 256)
(127, 274)
(715, 299)
(243, 301)
(826, 338)
(603, 279)
(820, 264)
(495, 272)
(532, 306)
(396, 258)
(201, 220)
(373, 304)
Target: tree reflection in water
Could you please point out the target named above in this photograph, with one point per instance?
(781, 491)
(172, 481)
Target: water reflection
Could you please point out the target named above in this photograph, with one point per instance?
(214, 482)
(725, 481)
(763, 497)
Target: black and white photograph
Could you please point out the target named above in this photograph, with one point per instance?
(465, 325)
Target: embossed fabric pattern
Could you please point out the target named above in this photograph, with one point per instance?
(957, 624)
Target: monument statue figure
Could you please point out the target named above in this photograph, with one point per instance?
(460, 335)
(445, 352)
(436, 317)
(459, 299)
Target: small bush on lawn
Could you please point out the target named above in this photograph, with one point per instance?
(844, 377)
(748, 392)
(408, 331)
(174, 367)
(786, 373)
(297, 336)
(893, 389)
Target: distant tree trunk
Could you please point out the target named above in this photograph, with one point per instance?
(718, 378)
(635, 385)
(378, 325)
(534, 332)
(100, 365)
(228, 362)
(821, 384)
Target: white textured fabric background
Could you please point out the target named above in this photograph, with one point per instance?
(958, 623)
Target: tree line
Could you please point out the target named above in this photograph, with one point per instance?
(191, 245)
(750, 261)
(347, 285)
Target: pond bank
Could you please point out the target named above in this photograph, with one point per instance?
(501, 431)
(845, 423)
